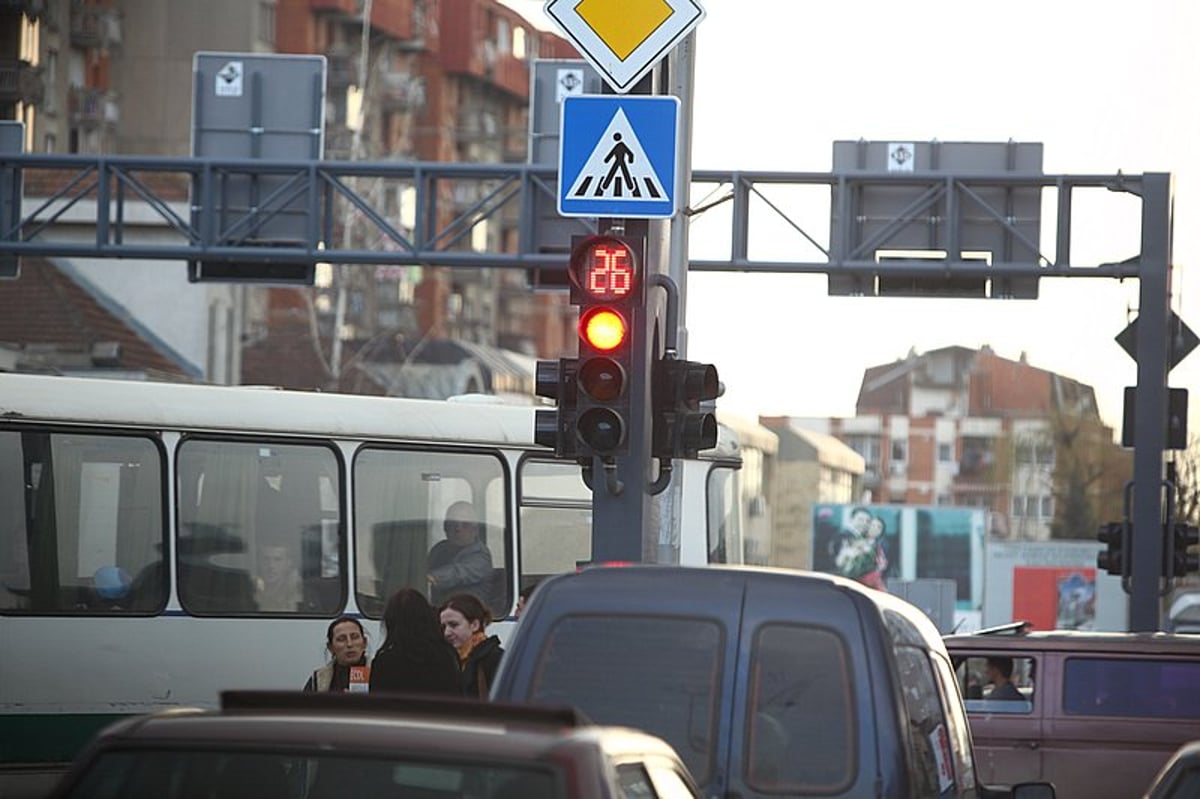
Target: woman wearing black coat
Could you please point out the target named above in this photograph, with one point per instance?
(414, 658)
(464, 621)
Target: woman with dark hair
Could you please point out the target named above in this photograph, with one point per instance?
(464, 622)
(414, 659)
(346, 642)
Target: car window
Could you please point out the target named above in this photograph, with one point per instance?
(635, 782)
(655, 673)
(930, 756)
(960, 733)
(175, 774)
(1132, 688)
(800, 730)
(981, 679)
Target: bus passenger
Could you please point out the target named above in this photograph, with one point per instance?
(461, 562)
(414, 658)
(464, 623)
(278, 586)
(346, 642)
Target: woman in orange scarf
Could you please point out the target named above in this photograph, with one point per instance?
(464, 623)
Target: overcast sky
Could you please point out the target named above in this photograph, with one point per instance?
(1106, 86)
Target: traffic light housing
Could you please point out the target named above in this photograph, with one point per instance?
(1115, 558)
(1182, 563)
(593, 391)
(607, 283)
(556, 428)
(681, 426)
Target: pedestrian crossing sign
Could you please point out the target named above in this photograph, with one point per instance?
(618, 156)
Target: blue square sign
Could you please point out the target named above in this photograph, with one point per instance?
(618, 156)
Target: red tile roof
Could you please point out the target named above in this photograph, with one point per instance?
(44, 307)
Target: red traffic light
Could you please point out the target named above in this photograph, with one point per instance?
(605, 268)
(603, 329)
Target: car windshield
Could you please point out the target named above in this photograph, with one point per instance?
(178, 774)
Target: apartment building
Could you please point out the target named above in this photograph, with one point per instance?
(444, 80)
(969, 428)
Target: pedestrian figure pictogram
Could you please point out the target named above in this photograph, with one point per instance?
(618, 168)
(618, 155)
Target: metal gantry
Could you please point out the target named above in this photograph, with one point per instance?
(425, 214)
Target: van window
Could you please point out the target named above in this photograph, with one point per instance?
(656, 673)
(930, 757)
(1131, 688)
(800, 732)
(982, 689)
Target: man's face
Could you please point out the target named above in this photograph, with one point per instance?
(274, 563)
(460, 529)
(859, 521)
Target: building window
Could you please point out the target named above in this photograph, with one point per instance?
(1018, 506)
(1047, 507)
(977, 457)
(266, 22)
(945, 453)
(945, 499)
(899, 449)
(1044, 455)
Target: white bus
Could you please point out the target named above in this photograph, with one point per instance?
(140, 521)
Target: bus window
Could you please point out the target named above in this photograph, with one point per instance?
(258, 528)
(401, 502)
(81, 523)
(556, 519)
(724, 517)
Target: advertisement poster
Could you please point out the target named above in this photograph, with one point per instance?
(1055, 598)
(877, 543)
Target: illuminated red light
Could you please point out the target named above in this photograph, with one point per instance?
(604, 329)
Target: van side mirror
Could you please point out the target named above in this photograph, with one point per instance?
(1033, 790)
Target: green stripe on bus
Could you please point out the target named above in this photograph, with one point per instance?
(49, 738)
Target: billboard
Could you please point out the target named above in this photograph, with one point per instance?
(877, 543)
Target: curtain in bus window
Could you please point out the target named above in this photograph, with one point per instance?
(14, 543)
(213, 563)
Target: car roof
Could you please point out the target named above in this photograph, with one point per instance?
(626, 586)
(1077, 641)
(373, 724)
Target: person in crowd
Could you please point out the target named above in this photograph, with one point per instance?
(278, 586)
(464, 624)
(461, 562)
(843, 546)
(999, 675)
(414, 658)
(523, 598)
(346, 642)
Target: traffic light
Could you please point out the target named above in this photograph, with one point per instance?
(1114, 559)
(556, 380)
(606, 283)
(681, 427)
(1183, 563)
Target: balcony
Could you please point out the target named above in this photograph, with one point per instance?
(94, 28)
(402, 91)
(20, 82)
(93, 108)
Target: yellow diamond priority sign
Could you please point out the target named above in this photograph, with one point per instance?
(624, 39)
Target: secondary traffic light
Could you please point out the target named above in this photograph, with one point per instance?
(556, 380)
(607, 285)
(681, 427)
(1183, 563)
(1114, 559)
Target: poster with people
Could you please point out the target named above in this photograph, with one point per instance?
(878, 544)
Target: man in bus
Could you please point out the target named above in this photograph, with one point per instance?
(461, 562)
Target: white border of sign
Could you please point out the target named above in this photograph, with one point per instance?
(621, 75)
